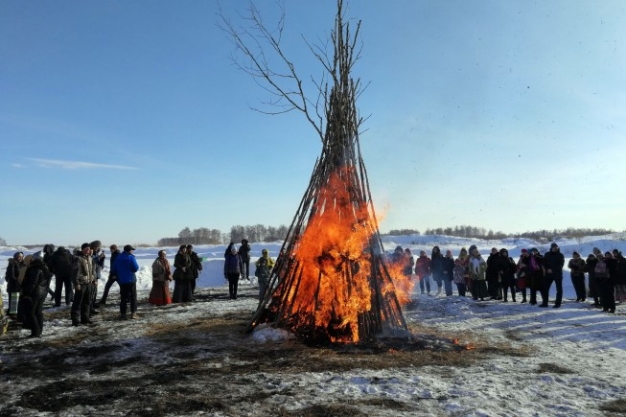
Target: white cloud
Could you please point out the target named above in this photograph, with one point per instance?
(56, 163)
(18, 166)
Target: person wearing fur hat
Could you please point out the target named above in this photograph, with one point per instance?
(576, 267)
(553, 262)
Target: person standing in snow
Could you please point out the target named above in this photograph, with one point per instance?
(506, 274)
(98, 263)
(34, 292)
(112, 277)
(458, 274)
(620, 277)
(594, 285)
(492, 274)
(522, 273)
(477, 270)
(61, 266)
(244, 254)
(553, 262)
(436, 267)
(606, 270)
(447, 268)
(195, 267)
(182, 276)
(124, 268)
(83, 278)
(422, 270)
(263, 270)
(232, 271)
(534, 274)
(464, 257)
(576, 267)
(13, 286)
(161, 278)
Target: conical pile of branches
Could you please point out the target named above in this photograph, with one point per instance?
(331, 282)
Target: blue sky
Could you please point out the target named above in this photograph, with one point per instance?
(127, 121)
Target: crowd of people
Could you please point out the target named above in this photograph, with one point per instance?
(77, 274)
(500, 276)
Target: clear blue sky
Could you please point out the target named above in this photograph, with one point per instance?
(127, 121)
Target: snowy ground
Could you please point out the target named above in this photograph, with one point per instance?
(508, 359)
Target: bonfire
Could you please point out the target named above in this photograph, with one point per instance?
(331, 282)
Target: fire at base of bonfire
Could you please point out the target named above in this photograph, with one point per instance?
(337, 286)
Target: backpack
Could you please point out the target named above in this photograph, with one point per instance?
(600, 270)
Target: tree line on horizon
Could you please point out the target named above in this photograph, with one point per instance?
(206, 236)
(543, 235)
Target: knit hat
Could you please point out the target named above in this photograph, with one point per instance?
(524, 250)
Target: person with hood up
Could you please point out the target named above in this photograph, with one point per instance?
(422, 271)
(232, 271)
(124, 268)
(553, 262)
(263, 270)
(576, 266)
(34, 292)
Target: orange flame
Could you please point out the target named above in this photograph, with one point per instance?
(335, 265)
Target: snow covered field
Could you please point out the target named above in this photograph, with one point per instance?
(195, 359)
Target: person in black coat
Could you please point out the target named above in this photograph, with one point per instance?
(594, 285)
(34, 292)
(13, 285)
(506, 271)
(447, 264)
(607, 283)
(244, 254)
(436, 267)
(492, 274)
(61, 266)
(196, 267)
(553, 262)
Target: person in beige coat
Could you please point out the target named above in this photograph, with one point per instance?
(161, 278)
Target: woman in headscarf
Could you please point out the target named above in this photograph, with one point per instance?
(161, 278)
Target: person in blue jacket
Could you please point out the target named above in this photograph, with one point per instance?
(124, 268)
